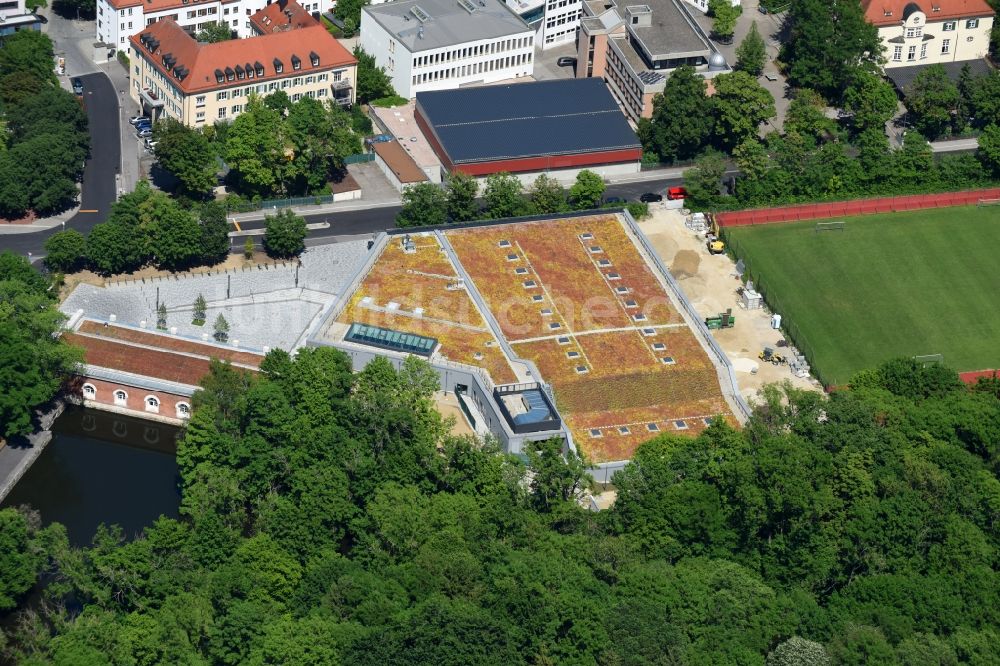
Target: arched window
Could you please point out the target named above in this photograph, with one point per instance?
(183, 410)
(152, 404)
(121, 397)
(89, 392)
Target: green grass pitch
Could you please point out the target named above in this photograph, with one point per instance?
(899, 284)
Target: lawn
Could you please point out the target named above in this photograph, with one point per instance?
(899, 284)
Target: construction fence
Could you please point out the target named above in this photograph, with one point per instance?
(817, 211)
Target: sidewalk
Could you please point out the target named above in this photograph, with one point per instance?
(15, 459)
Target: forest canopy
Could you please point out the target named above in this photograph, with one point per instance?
(329, 517)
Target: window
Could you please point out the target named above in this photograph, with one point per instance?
(911, 53)
(183, 410)
(923, 51)
(200, 116)
(914, 32)
(237, 108)
(222, 95)
(89, 392)
(152, 404)
(200, 100)
(121, 398)
(222, 112)
(972, 24)
(945, 46)
(948, 26)
(897, 54)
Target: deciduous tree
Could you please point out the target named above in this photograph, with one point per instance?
(373, 83)
(932, 98)
(740, 105)
(504, 196)
(215, 32)
(462, 189)
(682, 117)
(587, 192)
(187, 154)
(66, 251)
(989, 149)
(547, 195)
(424, 204)
(284, 234)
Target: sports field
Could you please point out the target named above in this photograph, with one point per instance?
(899, 284)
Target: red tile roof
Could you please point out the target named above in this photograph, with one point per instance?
(876, 10)
(281, 16)
(156, 5)
(202, 64)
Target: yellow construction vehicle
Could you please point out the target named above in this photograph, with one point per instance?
(714, 242)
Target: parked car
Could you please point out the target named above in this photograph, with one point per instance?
(144, 132)
(134, 120)
(77, 86)
(566, 61)
(144, 124)
(151, 145)
(614, 200)
(651, 197)
(675, 193)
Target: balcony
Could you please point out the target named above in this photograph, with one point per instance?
(150, 99)
(342, 92)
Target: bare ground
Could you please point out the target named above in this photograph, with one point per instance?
(709, 283)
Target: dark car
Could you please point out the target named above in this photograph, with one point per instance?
(566, 61)
(651, 197)
(77, 86)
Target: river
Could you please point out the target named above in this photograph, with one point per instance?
(102, 468)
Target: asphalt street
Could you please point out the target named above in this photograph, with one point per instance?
(98, 191)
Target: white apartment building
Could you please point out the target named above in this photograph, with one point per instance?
(927, 32)
(15, 16)
(443, 44)
(117, 20)
(555, 21)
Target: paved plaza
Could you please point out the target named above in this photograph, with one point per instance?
(265, 305)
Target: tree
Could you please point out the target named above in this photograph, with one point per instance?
(115, 248)
(983, 95)
(161, 316)
(807, 116)
(187, 154)
(587, 191)
(751, 54)
(682, 117)
(199, 309)
(66, 251)
(557, 476)
(989, 149)
(214, 32)
(77, 8)
(503, 196)
(174, 235)
(20, 560)
(248, 248)
(462, 189)
(870, 99)
(221, 329)
(215, 242)
(284, 234)
(703, 181)
(547, 195)
(932, 98)
(798, 652)
(33, 361)
(424, 204)
(321, 137)
(372, 81)
(829, 41)
(29, 51)
(255, 151)
(724, 16)
(349, 11)
(740, 105)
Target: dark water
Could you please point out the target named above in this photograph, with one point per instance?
(102, 468)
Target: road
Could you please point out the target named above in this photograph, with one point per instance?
(345, 224)
(99, 189)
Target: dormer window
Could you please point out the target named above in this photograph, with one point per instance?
(240, 74)
(296, 62)
(259, 68)
(887, 12)
(219, 76)
(249, 70)
(314, 58)
(278, 66)
(230, 74)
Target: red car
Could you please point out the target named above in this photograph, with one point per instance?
(676, 193)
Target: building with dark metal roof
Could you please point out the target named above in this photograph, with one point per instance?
(527, 127)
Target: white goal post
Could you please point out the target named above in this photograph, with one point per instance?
(839, 225)
(929, 359)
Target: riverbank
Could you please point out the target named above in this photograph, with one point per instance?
(17, 457)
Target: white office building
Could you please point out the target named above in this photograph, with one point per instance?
(444, 44)
(555, 21)
(117, 20)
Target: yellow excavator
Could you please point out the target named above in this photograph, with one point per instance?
(714, 242)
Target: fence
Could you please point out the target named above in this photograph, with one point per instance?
(856, 207)
(792, 332)
(359, 159)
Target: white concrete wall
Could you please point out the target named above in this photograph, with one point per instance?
(561, 22)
